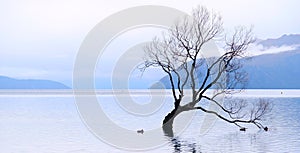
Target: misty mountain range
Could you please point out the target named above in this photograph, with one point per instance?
(285, 40)
(11, 83)
(267, 71)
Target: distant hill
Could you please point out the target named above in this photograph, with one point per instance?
(269, 71)
(274, 71)
(285, 40)
(278, 70)
(11, 83)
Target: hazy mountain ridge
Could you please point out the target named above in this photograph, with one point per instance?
(277, 70)
(274, 71)
(285, 40)
(269, 71)
(11, 83)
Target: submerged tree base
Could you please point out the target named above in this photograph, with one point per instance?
(168, 131)
(168, 123)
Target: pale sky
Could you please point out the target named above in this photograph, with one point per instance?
(40, 39)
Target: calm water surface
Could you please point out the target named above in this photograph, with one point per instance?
(52, 124)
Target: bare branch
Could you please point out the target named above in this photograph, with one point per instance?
(178, 54)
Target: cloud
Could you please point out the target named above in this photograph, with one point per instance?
(255, 50)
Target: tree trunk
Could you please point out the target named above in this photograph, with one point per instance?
(168, 121)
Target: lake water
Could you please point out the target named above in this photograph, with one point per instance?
(51, 123)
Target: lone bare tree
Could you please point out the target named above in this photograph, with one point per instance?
(179, 54)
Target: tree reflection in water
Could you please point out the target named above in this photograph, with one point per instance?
(183, 145)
